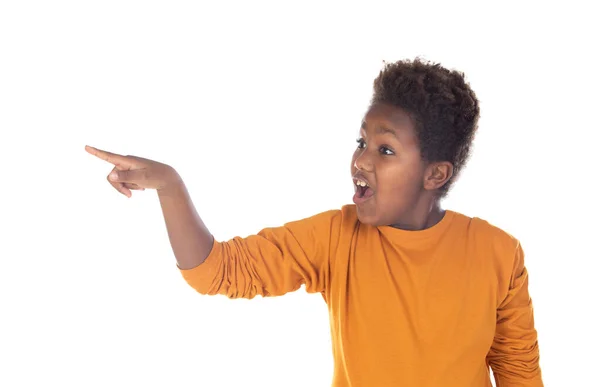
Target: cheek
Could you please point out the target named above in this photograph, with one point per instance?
(400, 183)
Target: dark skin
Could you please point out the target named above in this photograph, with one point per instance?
(406, 188)
(388, 157)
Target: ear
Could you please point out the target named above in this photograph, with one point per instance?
(437, 174)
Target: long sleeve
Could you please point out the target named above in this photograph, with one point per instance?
(273, 262)
(514, 355)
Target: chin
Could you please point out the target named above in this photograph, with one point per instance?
(368, 217)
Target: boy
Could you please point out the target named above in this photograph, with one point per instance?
(417, 296)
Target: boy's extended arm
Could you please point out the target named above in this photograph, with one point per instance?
(514, 355)
(273, 262)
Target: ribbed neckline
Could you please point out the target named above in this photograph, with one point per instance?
(407, 235)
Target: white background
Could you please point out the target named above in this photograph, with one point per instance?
(258, 107)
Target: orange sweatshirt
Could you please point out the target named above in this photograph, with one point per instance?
(428, 308)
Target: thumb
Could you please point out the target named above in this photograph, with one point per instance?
(135, 176)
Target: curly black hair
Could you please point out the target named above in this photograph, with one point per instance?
(444, 109)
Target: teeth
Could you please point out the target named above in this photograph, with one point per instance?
(361, 183)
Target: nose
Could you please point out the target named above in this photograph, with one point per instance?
(363, 162)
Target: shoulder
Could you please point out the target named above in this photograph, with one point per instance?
(486, 233)
(500, 251)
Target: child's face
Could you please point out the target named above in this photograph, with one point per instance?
(389, 161)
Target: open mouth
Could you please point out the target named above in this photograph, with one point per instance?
(362, 191)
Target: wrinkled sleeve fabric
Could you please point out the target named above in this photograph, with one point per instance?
(273, 262)
(514, 355)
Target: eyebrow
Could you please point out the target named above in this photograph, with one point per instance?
(380, 129)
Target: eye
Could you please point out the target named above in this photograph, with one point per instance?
(386, 151)
(361, 143)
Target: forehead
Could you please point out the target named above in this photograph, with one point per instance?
(383, 118)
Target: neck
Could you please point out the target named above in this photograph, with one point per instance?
(424, 214)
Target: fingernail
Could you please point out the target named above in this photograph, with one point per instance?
(113, 176)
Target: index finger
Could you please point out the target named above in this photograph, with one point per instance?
(112, 158)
